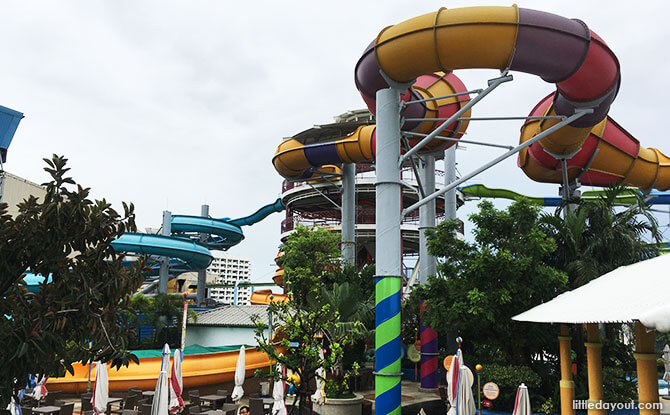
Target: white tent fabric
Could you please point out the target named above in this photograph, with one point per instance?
(101, 389)
(627, 294)
(176, 383)
(161, 393)
(278, 407)
(238, 391)
(319, 397)
(522, 401)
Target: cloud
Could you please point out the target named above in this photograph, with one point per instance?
(171, 104)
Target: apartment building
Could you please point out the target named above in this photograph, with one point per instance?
(230, 270)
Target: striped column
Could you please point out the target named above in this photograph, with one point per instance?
(429, 364)
(388, 255)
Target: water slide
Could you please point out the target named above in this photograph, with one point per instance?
(202, 366)
(183, 247)
(561, 51)
(626, 198)
(423, 50)
(199, 367)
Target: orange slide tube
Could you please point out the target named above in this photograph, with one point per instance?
(197, 370)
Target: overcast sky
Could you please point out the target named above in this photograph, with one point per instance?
(174, 104)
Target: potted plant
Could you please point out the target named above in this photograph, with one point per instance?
(314, 332)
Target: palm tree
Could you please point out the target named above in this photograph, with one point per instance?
(600, 236)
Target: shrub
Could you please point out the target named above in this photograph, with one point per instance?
(508, 378)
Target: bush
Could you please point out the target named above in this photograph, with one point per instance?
(508, 378)
(616, 387)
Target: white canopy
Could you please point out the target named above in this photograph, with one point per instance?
(637, 292)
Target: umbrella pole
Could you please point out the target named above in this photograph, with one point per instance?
(479, 387)
(88, 387)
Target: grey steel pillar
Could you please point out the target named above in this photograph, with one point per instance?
(427, 264)
(450, 177)
(349, 213)
(163, 273)
(202, 274)
(388, 281)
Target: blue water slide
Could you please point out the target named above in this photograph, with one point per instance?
(195, 254)
(223, 234)
(260, 214)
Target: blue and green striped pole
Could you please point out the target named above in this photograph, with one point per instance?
(388, 255)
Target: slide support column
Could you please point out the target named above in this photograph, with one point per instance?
(427, 264)
(349, 213)
(388, 255)
(202, 274)
(163, 273)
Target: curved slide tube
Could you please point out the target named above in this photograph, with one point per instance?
(184, 248)
(224, 233)
(559, 50)
(297, 161)
(481, 191)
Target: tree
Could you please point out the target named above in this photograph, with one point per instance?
(311, 320)
(75, 316)
(597, 238)
(482, 285)
(163, 312)
(600, 236)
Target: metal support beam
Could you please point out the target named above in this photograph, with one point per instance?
(455, 184)
(163, 273)
(349, 213)
(324, 195)
(388, 281)
(460, 140)
(493, 84)
(450, 177)
(202, 274)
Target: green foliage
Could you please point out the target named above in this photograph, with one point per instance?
(164, 312)
(508, 378)
(482, 285)
(325, 311)
(597, 237)
(75, 317)
(617, 387)
(311, 254)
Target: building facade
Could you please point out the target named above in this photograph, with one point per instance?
(230, 270)
(14, 189)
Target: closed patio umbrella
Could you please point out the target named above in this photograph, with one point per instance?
(100, 396)
(176, 385)
(452, 380)
(238, 391)
(319, 397)
(666, 363)
(161, 393)
(278, 407)
(522, 401)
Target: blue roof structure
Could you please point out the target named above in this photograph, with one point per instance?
(9, 121)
